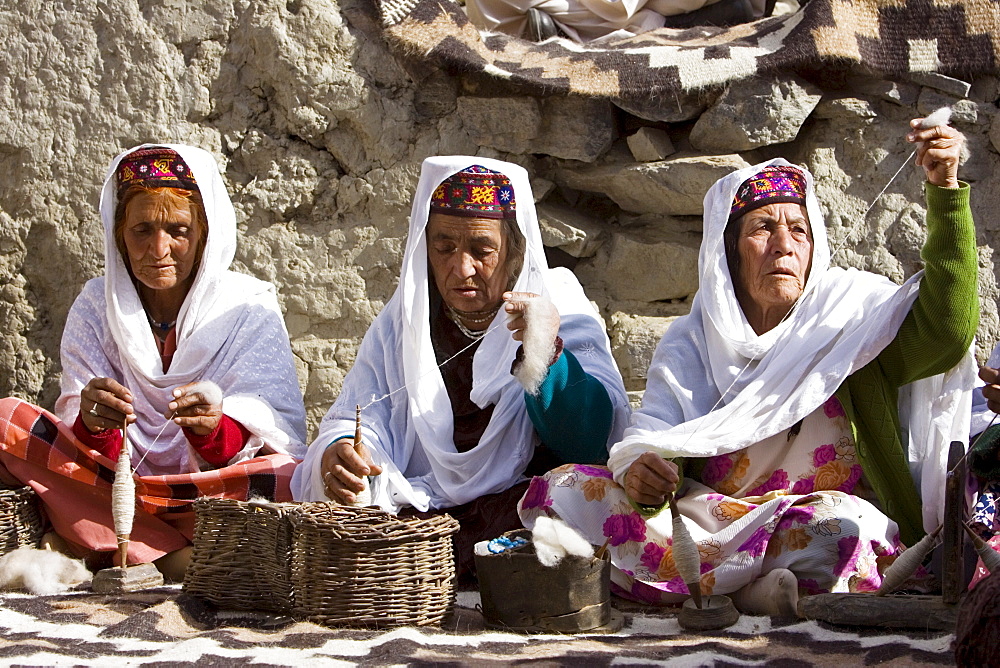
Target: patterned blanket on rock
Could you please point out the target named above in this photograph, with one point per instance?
(166, 627)
(958, 38)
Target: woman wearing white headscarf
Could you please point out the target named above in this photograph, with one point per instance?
(772, 408)
(445, 419)
(193, 356)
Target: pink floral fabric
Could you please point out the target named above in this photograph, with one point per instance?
(794, 500)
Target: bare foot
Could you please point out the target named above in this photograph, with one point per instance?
(775, 594)
(174, 564)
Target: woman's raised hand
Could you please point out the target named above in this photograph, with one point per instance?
(651, 479)
(939, 151)
(105, 404)
(196, 406)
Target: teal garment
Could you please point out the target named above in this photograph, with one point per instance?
(572, 413)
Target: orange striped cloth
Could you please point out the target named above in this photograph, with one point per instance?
(74, 484)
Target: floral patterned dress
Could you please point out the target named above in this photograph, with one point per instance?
(794, 500)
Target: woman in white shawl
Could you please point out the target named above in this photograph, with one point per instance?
(193, 356)
(444, 418)
(772, 408)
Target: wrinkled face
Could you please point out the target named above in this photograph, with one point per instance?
(775, 247)
(468, 260)
(163, 239)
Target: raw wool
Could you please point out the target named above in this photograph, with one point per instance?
(209, 390)
(41, 572)
(940, 117)
(554, 539)
(539, 347)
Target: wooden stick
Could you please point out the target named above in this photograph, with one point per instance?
(357, 428)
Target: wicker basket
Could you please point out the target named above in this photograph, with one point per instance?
(242, 555)
(365, 567)
(20, 520)
(333, 564)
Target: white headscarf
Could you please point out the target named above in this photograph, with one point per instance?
(411, 432)
(229, 331)
(842, 321)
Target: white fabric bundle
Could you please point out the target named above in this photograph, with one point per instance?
(41, 572)
(715, 386)
(411, 432)
(554, 540)
(229, 330)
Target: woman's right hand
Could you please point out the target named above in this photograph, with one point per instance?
(344, 468)
(651, 479)
(105, 404)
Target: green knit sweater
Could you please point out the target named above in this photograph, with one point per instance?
(935, 335)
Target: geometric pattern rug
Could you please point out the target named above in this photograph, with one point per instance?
(164, 626)
(959, 38)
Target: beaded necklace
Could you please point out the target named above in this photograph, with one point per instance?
(476, 317)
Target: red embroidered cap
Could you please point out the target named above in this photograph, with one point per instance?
(475, 192)
(155, 167)
(777, 183)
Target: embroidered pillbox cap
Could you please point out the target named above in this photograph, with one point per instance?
(770, 185)
(155, 167)
(475, 192)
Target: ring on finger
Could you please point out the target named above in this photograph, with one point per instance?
(93, 411)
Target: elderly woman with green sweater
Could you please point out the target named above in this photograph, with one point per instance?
(779, 409)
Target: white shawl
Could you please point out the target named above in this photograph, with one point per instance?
(842, 321)
(229, 330)
(411, 432)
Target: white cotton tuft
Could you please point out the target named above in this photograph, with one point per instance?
(41, 572)
(209, 390)
(545, 538)
(572, 541)
(538, 344)
(554, 539)
(940, 117)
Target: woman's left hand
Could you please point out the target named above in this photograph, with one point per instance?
(547, 320)
(193, 410)
(939, 151)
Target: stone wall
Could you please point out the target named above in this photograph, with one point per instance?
(320, 130)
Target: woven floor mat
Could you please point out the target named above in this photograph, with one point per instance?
(163, 626)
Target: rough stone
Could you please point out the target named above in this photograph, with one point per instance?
(758, 113)
(633, 342)
(569, 230)
(844, 108)
(675, 108)
(675, 186)
(903, 94)
(644, 264)
(943, 83)
(962, 111)
(574, 128)
(650, 145)
(506, 124)
(985, 89)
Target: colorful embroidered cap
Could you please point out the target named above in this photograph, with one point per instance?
(156, 167)
(475, 192)
(770, 185)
